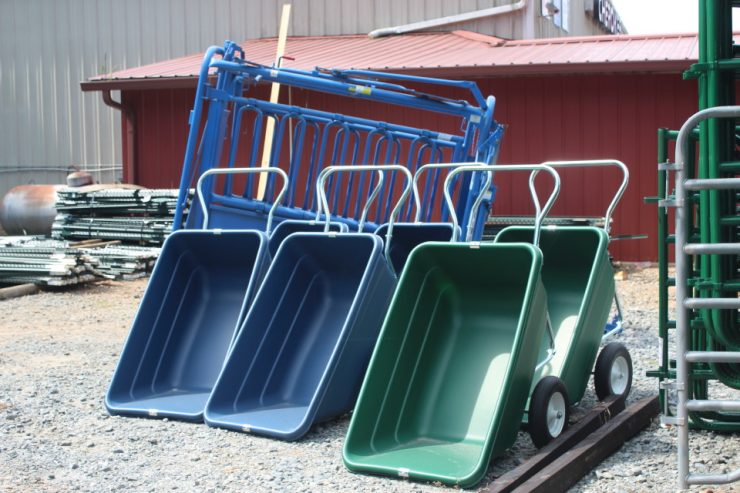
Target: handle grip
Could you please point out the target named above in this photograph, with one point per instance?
(540, 211)
(236, 171)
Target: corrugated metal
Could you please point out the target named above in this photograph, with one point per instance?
(48, 47)
(454, 50)
(548, 118)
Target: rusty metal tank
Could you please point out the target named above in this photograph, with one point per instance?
(29, 209)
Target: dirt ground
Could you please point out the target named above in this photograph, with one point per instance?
(58, 351)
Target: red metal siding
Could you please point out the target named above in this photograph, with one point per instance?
(548, 118)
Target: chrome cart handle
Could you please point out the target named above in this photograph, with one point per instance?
(540, 211)
(367, 167)
(415, 190)
(594, 163)
(246, 171)
(320, 190)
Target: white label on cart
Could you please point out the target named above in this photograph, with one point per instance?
(444, 136)
(152, 412)
(474, 118)
(246, 429)
(403, 472)
(274, 73)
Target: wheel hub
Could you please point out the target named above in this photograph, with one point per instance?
(619, 375)
(556, 414)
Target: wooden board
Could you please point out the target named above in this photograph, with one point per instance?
(573, 465)
(575, 433)
(274, 96)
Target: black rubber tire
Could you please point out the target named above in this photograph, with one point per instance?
(603, 370)
(538, 407)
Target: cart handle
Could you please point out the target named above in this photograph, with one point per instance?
(594, 163)
(234, 171)
(367, 167)
(417, 195)
(361, 223)
(540, 211)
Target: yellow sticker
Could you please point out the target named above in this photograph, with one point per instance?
(364, 90)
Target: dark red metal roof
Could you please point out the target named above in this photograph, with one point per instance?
(460, 53)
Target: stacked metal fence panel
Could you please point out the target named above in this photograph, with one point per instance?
(38, 260)
(133, 215)
(50, 262)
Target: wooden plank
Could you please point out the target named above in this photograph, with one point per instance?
(600, 414)
(567, 470)
(17, 291)
(94, 243)
(274, 95)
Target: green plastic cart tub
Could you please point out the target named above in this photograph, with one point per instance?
(579, 281)
(450, 376)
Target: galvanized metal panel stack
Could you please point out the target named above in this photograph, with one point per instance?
(124, 262)
(38, 260)
(49, 262)
(133, 215)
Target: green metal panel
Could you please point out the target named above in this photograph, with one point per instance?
(579, 281)
(450, 376)
(714, 220)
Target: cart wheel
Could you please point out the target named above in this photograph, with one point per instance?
(548, 411)
(613, 371)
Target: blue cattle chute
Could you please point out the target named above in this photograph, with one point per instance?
(227, 129)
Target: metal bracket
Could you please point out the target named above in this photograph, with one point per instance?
(666, 419)
(671, 385)
(672, 421)
(670, 203)
(668, 166)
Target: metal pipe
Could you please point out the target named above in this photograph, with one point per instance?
(712, 249)
(595, 163)
(707, 405)
(540, 211)
(324, 204)
(130, 115)
(415, 189)
(233, 171)
(729, 477)
(713, 184)
(717, 303)
(450, 19)
(713, 357)
(61, 169)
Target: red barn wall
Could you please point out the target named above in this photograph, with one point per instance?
(547, 118)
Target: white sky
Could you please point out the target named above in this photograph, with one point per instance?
(662, 16)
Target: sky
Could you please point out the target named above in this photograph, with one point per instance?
(662, 16)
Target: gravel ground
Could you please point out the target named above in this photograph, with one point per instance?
(58, 351)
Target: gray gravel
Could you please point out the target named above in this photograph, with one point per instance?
(57, 354)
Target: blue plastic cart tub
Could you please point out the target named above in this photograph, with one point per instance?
(186, 323)
(303, 349)
(407, 236)
(290, 226)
